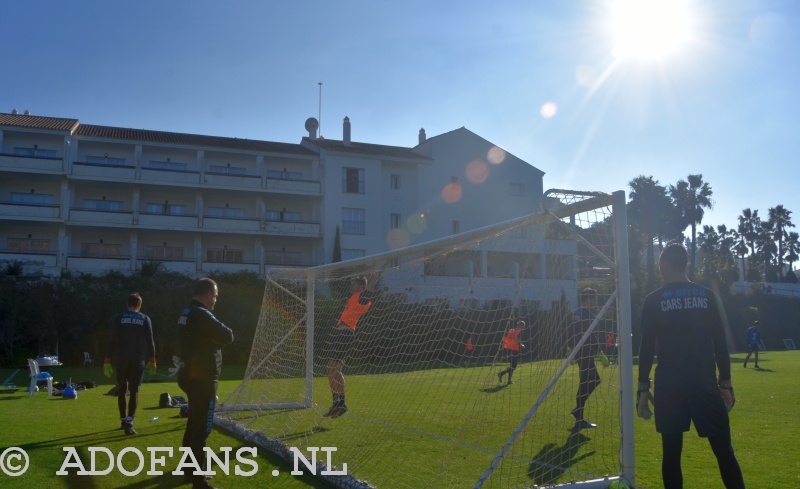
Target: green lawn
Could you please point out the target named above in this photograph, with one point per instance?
(436, 428)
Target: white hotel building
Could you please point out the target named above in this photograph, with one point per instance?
(89, 198)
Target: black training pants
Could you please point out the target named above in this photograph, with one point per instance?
(202, 397)
(672, 444)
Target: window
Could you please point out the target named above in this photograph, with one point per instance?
(352, 221)
(164, 252)
(173, 209)
(352, 254)
(168, 165)
(47, 153)
(283, 257)
(105, 160)
(102, 205)
(517, 189)
(35, 199)
(222, 255)
(227, 170)
(394, 182)
(283, 216)
(353, 180)
(456, 227)
(284, 175)
(225, 212)
(26, 245)
(394, 262)
(454, 180)
(100, 250)
(395, 221)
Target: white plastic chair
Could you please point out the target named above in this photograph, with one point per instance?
(36, 376)
(87, 360)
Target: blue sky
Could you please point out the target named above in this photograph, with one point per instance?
(725, 104)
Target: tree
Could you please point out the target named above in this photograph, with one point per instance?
(739, 248)
(691, 197)
(337, 247)
(766, 246)
(792, 248)
(780, 218)
(648, 205)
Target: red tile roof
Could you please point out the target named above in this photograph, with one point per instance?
(145, 135)
(367, 149)
(37, 122)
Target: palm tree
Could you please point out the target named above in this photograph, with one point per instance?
(765, 245)
(740, 248)
(749, 223)
(792, 248)
(691, 197)
(647, 205)
(780, 218)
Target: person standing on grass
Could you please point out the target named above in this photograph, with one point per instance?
(753, 340)
(201, 337)
(511, 345)
(684, 321)
(130, 344)
(589, 377)
(362, 294)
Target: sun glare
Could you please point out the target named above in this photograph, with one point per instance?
(649, 28)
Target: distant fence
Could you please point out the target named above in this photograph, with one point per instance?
(781, 289)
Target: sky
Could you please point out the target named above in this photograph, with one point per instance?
(545, 80)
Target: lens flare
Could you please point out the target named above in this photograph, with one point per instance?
(416, 223)
(548, 110)
(477, 171)
(451, 193)
(586, 75)
(496, 155)
(397, 238)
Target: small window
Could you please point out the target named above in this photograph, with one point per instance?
(395, 221)
(102, 205)
(352, 254)
(168, 165)
(394, 182)
(225, 212)
(25, 245)
(456, 227)
(33, 199)
(104, 160)
(221, 255)
(352, 221)
(454, 180)
(173, 209)
(353, 180)
(100, 250)
(35, 152)
(517, 189)
(227, 170)
(164, 252)
(284, 175)
(394, 262)
(283, 257)
(283, 216)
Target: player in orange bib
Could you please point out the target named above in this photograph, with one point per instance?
(511, 345)
(361, 296)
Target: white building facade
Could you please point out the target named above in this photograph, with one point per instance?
(89, 199)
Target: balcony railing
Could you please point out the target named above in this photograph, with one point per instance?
(99, 170)
(28, 163)
(21, 210)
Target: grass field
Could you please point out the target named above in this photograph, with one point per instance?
(764, 434)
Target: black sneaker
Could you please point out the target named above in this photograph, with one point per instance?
(338, 411)
(581, 424)
(202, 485)
(510, 382)
(129, 429)
(756, 366)
(330, 411)
(122, 425)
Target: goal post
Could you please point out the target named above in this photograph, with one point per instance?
(426, 407)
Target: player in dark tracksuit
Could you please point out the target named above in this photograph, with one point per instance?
(684, 320)
(753, 340)
(588, 376)
(201, 337)
(130, 345)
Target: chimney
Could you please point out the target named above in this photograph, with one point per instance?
(422, 136)
(14, 112)
(27, 112)
(346, 132)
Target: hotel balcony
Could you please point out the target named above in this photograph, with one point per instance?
(33, 263)
(103, 172)
(102, 264)
(91, 217)
(232, 224)
(304, 187)
(186, 266)
(181, 177)
(227, 267)
(238, 181)
(293, 228)
(24, 212)
(167, 221)
(31, 164)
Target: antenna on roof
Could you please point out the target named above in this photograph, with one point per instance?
(319, 119)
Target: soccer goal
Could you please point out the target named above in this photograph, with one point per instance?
(426, 408)
(789, 344)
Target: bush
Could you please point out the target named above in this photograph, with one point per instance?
(790, 278)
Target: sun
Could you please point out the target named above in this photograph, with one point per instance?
(649, 28)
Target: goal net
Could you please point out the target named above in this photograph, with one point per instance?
(425, 405)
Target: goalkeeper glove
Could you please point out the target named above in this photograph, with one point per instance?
(643, 397)
(604, 359)
(107, 370)
(151, 366)
(726, 391)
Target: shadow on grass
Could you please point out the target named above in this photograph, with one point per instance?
(759, 369)
(90, 440)
(303, 434)
(492, 390)
(553, 461)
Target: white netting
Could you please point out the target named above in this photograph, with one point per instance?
(425, 405)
